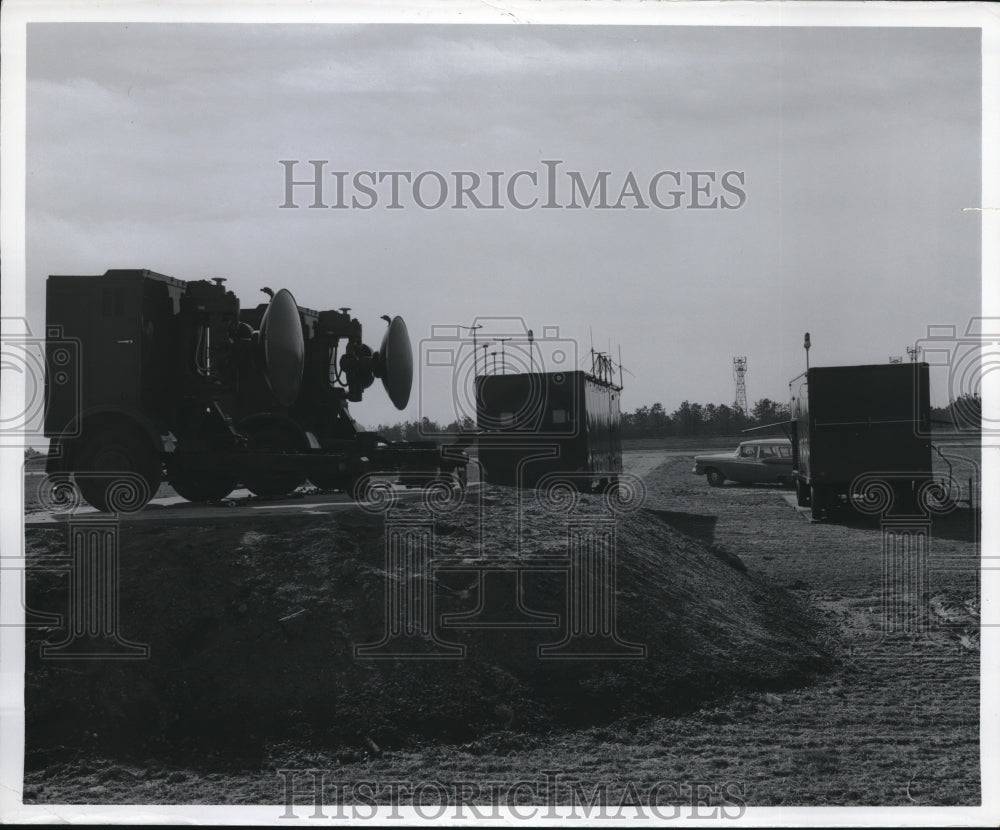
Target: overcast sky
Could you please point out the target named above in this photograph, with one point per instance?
(158, 145)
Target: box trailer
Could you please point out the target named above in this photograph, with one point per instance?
(851, 421)
(537, 428)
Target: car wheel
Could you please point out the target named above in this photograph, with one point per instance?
(818, 498)
(802, 496)
(715, 478)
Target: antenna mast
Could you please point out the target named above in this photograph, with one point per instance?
(503, 353)
(740, 372)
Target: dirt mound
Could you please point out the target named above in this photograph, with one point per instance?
(435, 621)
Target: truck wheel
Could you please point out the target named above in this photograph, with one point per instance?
(802, 495)
(277, 483)
(715, 478)
(114, 451)
(818, 498)
(197, 485)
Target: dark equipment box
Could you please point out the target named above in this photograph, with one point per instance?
(542, 427)
(853, 421)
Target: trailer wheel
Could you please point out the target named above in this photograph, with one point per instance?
(116, 451)
(197, 485)
(802, 495)
(715, 478)
(276, 483)
(818, 501)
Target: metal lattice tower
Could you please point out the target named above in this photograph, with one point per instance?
(740, 373)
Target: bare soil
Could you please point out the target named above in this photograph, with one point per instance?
(767, 664)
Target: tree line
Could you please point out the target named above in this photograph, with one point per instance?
(964, 414)
(644, 422)
(695, 419)
(700, 419)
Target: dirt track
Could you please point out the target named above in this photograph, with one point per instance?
(895, 723)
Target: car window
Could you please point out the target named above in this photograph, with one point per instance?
(785, 452)
(748, 452)
(768, 452)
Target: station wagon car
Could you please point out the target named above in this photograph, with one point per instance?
(760, 460)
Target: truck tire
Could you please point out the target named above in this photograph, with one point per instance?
(802, 495)
(277, 483)
(197, 485)
(818, 501)
(115, 450)
(715, 478)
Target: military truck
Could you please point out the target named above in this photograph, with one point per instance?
(171, 377)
